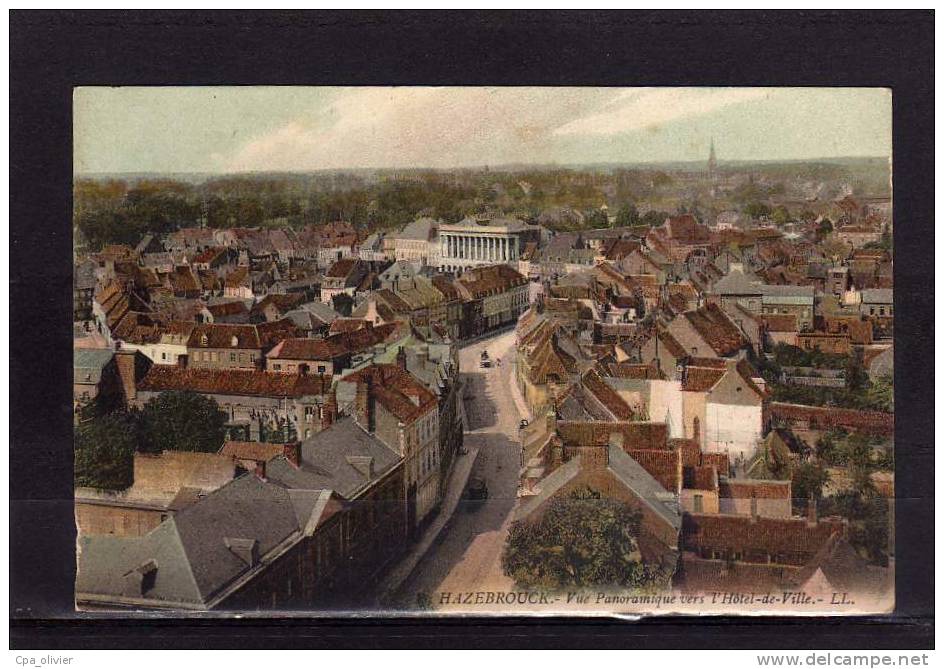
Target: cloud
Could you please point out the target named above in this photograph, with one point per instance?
(434, 127)
(650, 108)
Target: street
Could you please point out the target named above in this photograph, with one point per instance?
(467, 555)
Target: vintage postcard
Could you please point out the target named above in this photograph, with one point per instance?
(483, 351)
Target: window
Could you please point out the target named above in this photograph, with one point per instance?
(163, 356)
(232, 357)
(309, 414)
(277, 367)
(322, 369)
(699, 503)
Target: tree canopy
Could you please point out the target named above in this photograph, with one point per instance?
(182, 421)
(104, 452)
(582, 540)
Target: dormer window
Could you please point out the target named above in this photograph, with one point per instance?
(204, 340)
(234, 341)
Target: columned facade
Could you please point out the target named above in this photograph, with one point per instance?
(460, 251)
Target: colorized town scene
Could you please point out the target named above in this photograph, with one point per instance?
(483, 351)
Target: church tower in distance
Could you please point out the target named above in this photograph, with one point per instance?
(712, 161)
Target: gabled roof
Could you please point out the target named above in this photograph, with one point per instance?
(343, 269)
(738, 282)
(717, 329)
(308, 349)
(344, 458)
(686, 229)
(608, 397)
(397, 390)
(664, 465)
(224, 335)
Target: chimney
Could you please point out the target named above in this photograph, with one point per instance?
(246, 550)
(364, 404)
(129, 369)
(401, 358)
(292, 452)
(616, 439)
(329, 410)
(812, 517)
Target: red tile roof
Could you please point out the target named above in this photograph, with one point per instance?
(308, 349)
(717, 329)
(828, 417)
(254, 383)
(342, 268)
(395, 389)
(228, 309)
(223, 335)
(701, 379)
(701, 477)
(787, 540)
(252, 450)
(761, 489)
(347, 325)
(209, 255)
(780, 322)
(607, 396)
(685, 229)
(664, 465)
(636, 435)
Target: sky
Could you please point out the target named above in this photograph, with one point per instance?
(259, 129)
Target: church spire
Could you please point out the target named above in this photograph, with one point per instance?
(712, 161)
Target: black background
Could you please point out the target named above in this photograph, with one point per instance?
(53, 51)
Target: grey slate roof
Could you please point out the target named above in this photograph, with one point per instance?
(627, 470)
(323, 312)
(88, 363)
(325, 461)
(192, 549)
(548, 487)
(645, 487)
(877, 296)
(419, 229)
(737, 282)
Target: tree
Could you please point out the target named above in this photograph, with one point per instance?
(595, 219)
(627, 215)
(833, 247)
(856, 377)
(182, 421)
(582, 540)
(104, 452)
(808, 480)
(780, 215)
(757, 210)
(653, 218)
